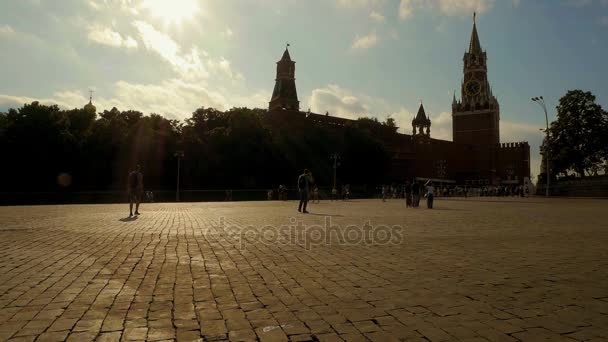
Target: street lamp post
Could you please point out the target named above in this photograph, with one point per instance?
(335, 157)
(541, 102)
(179, 155)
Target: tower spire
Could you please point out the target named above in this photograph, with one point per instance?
(474, 45)
(286, 56)
(284, 95)
(421, 125)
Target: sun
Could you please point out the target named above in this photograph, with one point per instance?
(172, 11)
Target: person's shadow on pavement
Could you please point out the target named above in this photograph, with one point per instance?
(128, 219)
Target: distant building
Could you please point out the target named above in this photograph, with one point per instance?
(475, 156)
(89, 107)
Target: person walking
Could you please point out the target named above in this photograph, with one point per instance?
(304, 187)
(415, 194)
(430, 189)
(135, 188)
(408, 194)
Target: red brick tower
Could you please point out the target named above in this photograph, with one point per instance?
(475, 118)
(284, 95)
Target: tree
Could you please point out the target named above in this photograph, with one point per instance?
(238, 148)
(579, 136)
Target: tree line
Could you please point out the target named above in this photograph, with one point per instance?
(42, 146)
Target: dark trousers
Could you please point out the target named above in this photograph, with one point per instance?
(416, 200)
(303, 200)
(429, 201)
(408, 199)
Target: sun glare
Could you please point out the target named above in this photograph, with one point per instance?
(172, 11)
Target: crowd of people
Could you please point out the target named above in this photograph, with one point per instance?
(410, 191)
(393, 192)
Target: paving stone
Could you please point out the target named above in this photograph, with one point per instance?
(53, 336)
(242, 335)
(480, 268)
(109, 337)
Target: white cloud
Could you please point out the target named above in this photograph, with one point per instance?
(403, 118)
(187, 65)
(174, 98)
(5, 29)
(441, 125)
(228, 33)
(107, 36)
(345, 103)
(338, 102)
(377, 16)
(127, 6)
(365, 42)
(94, 5)
(224, 67)
(407, 8)
(10, 101)
(353, 3)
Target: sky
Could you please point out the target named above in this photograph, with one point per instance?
(354, 58)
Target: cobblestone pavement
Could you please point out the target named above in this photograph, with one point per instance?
(476, 270)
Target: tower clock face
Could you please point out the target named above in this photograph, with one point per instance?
(473, 87)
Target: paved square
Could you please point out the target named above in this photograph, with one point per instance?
(497, 269)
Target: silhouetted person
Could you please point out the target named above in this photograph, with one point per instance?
(304, 182)
(408, 194)
(415, 194)
(135, 189)
(430, 189)
(315, 194)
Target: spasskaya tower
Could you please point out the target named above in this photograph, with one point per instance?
(475, 118)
